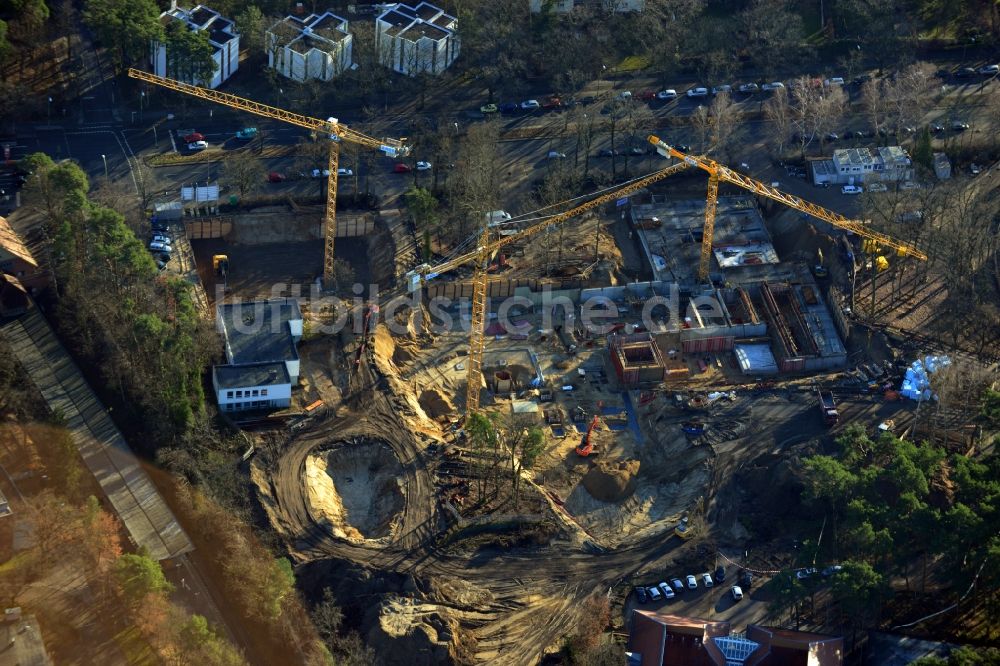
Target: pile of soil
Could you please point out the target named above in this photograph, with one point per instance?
(435, 405)
(408, 633)
(611, 482)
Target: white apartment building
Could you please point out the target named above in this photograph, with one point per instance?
(416, 39)
(316, 47)
(222, 35)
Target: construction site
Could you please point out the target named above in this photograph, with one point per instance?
(654, 396)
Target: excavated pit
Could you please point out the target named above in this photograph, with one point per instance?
(354, 489)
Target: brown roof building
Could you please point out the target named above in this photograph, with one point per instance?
(658, 639)
(16, 259)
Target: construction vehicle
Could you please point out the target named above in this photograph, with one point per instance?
(370, 315)
(488, 246)
(586, 446)
(220, 264)
(684, 529)
(330, 127)
(693, 428)
(718, 172)
(819, 270)
(828, 407)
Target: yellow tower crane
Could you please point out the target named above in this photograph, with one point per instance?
(335, 130)
(487, 248)
(718, 172)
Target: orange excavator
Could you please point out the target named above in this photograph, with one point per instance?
(586, 446)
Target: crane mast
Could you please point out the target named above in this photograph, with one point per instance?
(718, 172)
(331, 127)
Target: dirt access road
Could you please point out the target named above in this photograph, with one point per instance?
(530, 597)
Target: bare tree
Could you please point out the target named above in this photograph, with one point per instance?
(244, 172)
(777, 110)
(477, 190)
(875, 103)
(829, 108)
(725, 119)
(702, 121)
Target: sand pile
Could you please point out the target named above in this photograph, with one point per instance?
(354, 489)
(611, 482)
(435, 405)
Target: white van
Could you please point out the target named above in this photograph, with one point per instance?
(495, 217)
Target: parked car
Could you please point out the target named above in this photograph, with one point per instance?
(737, 593)
(724, 88)
(488, 108)
(692, 582)
(706, 578)
(829, 571)
(834, 81)
(640, 594)
(683, 147)
(195, 146)
(654, 593)
(556, 155)
(774, 85)
(647, 95)
(552, 103)
(636, 150)
(530, 105)
(959, 126)
(877, 187)
(400, 167)
(194, 137)
(509, 107)
(667, 94)
(989, 70)
(851, 189)
(624, 95)
(320, 173)
(909, 185)
(697, 92)
(160, 238)
(344, 171)
(863, 78)
(247, 133)
(666, 591)
(160, 247)
(965, 73)
(720, 574)
(608, 152)
(749, 88)
(803, 574)
(832, 136)
(975, 169)
(935, 127)
(678, 585)
(424, 166)
(275, 177)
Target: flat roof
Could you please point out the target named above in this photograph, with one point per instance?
(258, 331)
(251, 374)
(670, 231)
(202, 15)
(418, 30)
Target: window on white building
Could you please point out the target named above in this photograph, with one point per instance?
(229, 394)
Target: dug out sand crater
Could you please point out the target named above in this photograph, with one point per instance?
(354, 488)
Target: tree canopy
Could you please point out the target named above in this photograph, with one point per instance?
(131, 26)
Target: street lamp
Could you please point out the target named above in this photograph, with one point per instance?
(142, 101)
(49, 112)
(105, 159)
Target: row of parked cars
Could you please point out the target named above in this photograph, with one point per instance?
(160, 244)
(666, 591)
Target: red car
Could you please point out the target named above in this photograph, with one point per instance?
(194, 136)
(275, 177)
(647, 95)
(401, 168)
(552, 103)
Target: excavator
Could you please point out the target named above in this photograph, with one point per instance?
(586, 446)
